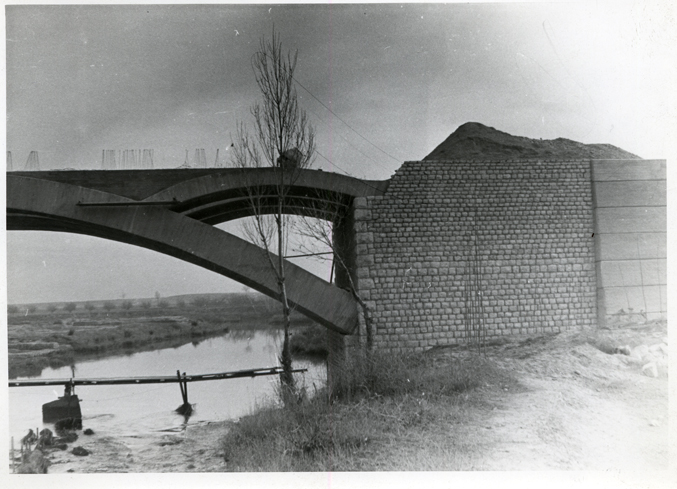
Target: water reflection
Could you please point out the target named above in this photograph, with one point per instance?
(150, 407)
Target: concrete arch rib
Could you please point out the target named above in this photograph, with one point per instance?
(37, 204)
(222, 195)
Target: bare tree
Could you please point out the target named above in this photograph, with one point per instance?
(322, 229)
(283, 140)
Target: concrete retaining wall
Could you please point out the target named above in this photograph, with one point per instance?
(630, 199)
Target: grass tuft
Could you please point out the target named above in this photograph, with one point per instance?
(376, 401)
(389, 375)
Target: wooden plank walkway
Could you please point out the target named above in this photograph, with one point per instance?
(257, 372)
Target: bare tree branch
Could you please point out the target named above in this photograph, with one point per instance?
(284, 140)
(322, 231)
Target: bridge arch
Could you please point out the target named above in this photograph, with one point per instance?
(224, 196)
(176, 219)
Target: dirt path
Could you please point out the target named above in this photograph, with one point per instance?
(579, 409)
(563, 426)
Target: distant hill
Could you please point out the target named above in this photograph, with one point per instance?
(475, 141)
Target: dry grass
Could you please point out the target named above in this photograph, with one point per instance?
(394, 405)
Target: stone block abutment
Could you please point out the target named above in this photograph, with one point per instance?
(455, 250)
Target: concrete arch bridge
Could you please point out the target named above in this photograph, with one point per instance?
(174, 212)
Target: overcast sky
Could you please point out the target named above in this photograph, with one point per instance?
(400, 79)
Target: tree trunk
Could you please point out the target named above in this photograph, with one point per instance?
(287, 378)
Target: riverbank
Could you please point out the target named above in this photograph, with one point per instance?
(590, 400)
(40, 344)
(56, 337)
(194, 449)
(574, 401)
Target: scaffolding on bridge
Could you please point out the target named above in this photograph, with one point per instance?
(33, 162)
(128, 159)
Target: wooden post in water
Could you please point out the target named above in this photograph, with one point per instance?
(185, 409)
(185, 389)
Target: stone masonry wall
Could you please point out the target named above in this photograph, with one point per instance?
(514, 235)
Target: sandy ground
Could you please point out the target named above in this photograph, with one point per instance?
(573, 407)
(578, 408)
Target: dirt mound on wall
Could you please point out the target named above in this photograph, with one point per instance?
(476, 141)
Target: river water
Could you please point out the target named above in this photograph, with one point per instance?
(137, 409)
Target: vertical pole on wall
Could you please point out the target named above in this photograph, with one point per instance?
(473, 284)
(660, 293)
(641, 277)
(480, 292)
(475, 330)
(470, 301)
(625, 289)
(478, 288)
(468, 293)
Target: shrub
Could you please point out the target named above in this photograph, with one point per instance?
(12, 309)
(32, 308)
(90, 306)
(108, 306)
(127, 305)
(311, 340)
(200, 302)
